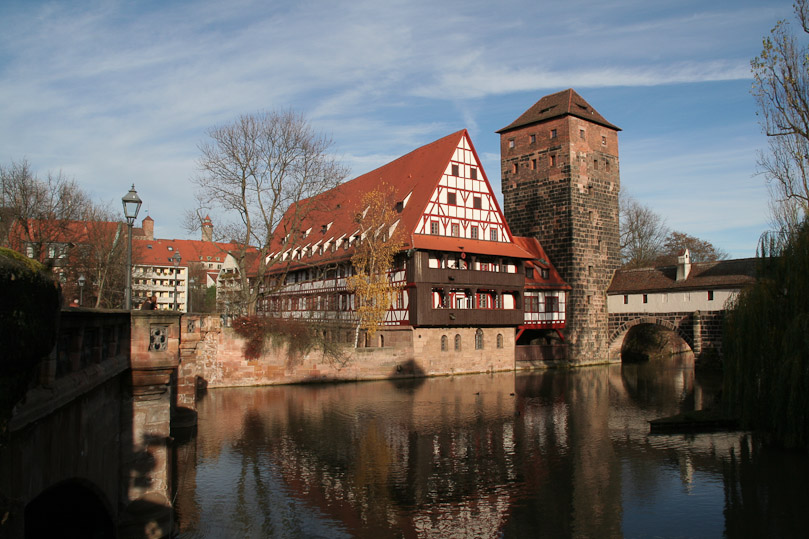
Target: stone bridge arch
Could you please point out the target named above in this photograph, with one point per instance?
(679, 324)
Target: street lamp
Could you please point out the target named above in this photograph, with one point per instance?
(82, 280)
(131, 202)
(176, 259)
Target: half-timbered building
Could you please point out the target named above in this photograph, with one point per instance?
(462, 272)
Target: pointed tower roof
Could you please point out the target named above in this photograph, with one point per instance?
(564, 103)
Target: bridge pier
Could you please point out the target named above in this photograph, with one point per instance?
(154, 359)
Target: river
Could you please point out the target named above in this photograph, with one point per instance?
(543, 454)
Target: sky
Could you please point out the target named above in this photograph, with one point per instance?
(113, 92)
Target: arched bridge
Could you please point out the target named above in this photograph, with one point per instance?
(688, 299)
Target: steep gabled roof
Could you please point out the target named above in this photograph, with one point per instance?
(564, 103)
(413, 178)
(722, 274)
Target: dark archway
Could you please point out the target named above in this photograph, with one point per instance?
(648, 341)
(72, 508)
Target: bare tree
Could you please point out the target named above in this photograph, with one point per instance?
(701, 250)
(254, 170)
(643, 233)
(781, 89)
(99, 253)
(37, 213)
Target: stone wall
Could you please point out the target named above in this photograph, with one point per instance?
(216, 358)
(563, 190)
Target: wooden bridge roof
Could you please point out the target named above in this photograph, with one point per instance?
(721, 274)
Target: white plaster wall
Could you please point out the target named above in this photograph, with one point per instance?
(694, 300)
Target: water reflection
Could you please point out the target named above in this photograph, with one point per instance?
(556, 454)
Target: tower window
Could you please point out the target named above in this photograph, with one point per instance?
(515, 167)
(645, 298)
(603, 140)
(581, 134)
(454, 170)
(511, 143)
(553, 133)
(626, 299)
(553, 160)
(710, 295)
(607, 164)
(595, 164)
(532, 139)
(533, 164)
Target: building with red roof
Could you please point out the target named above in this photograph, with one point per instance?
(459, 265)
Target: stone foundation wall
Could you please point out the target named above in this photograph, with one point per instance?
(212, 356)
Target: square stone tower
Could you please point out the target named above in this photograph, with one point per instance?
(560, 184)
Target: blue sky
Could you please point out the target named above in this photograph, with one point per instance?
(115, 92)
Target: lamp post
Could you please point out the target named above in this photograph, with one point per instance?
(131, 203)
(82, 280)
(176, 259)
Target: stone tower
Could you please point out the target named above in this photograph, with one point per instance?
(560, 184)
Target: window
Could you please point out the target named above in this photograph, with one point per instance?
(603, 141)
(529, 273)
(514, 168)
(477, 203)
(479, 339)
(473, 173)
(493, 234)
(532, 139)
(533, 164)
(545, 273)
(581, 134)
(473, 232)
(444, 343)
(500, 340)
(511, 143)
(451, 198)
(456, 230)
(454, 170)
(626, 299)
(607, 165)
(589, 271)
(595, 164)
(457, 343)
(552, 304)
(645, 298)
(553, 133)
(553, 160)
(434, 227)
(710, 295)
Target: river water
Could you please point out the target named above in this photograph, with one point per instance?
(545, 454)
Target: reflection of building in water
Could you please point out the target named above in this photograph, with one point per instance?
(459, 456)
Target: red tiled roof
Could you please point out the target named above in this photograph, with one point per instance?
(704, 275)
(158, 252)
(566, 102)
(414, 176)
(540, 261)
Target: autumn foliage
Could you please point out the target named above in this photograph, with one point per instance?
(373, 259)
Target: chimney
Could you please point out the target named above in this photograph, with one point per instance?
(148, 228)
(683, 265)
(207, 229)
